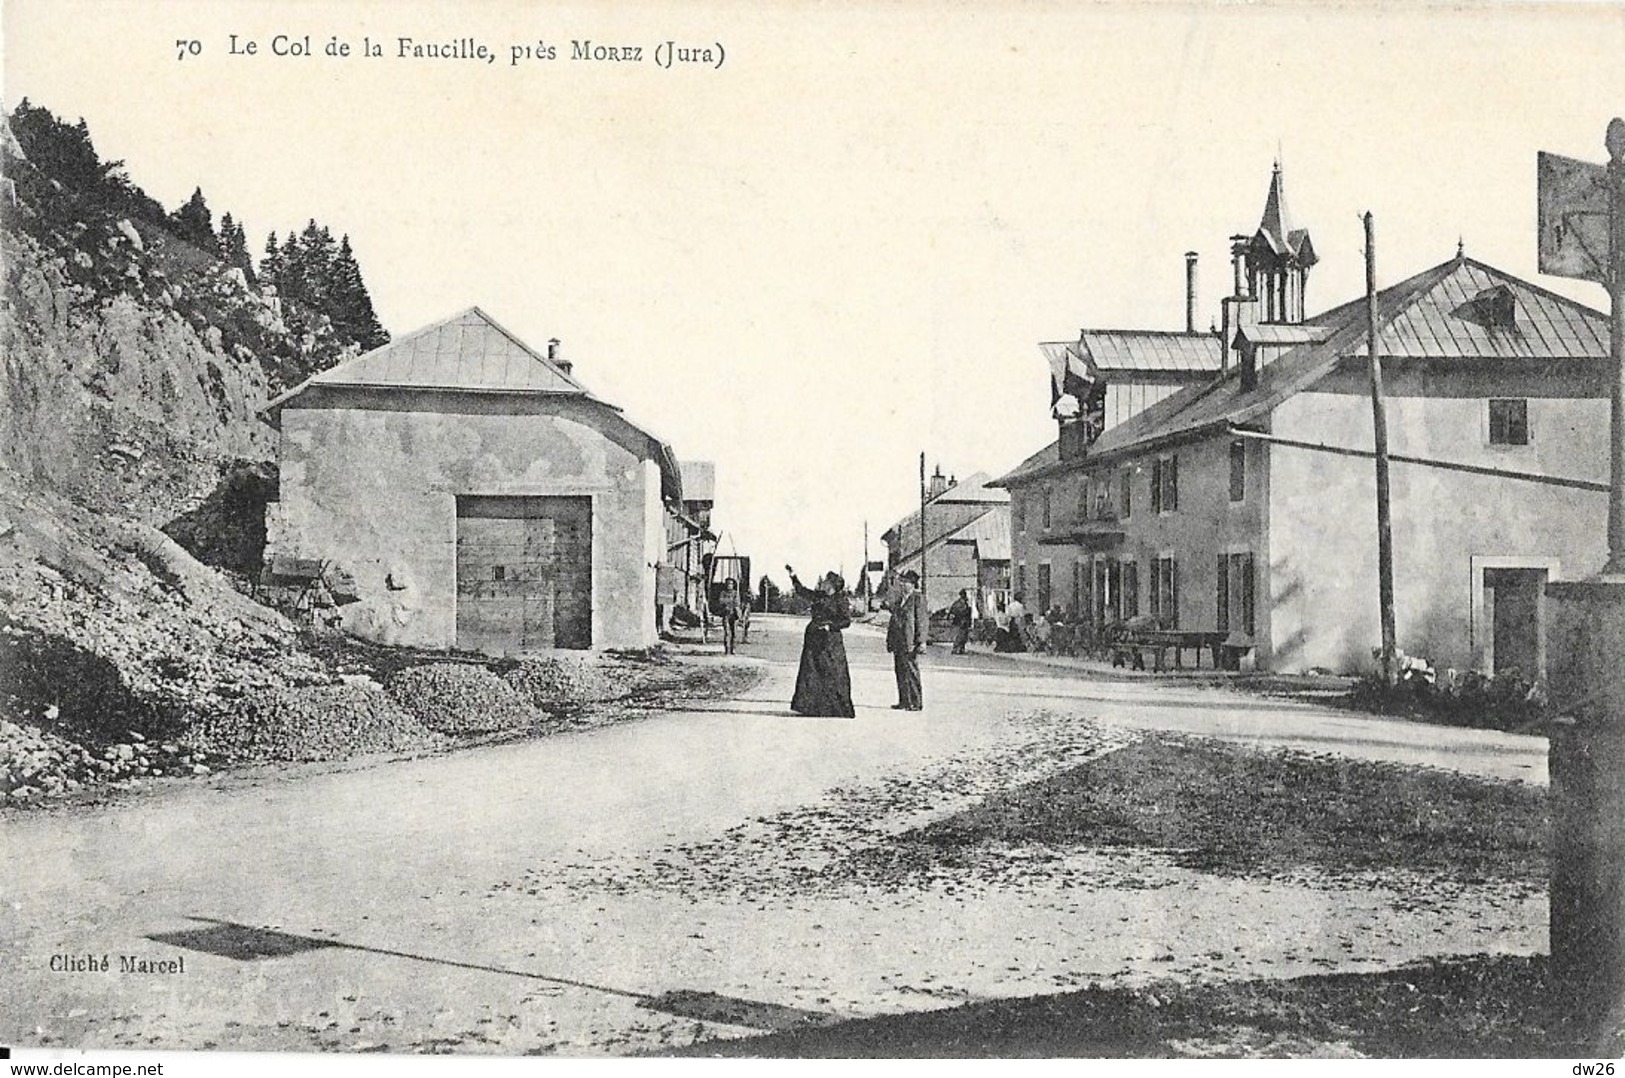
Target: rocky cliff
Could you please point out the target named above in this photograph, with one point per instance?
(131, 452)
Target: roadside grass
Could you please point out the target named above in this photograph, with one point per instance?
(1482, 1006)
(1223, 808)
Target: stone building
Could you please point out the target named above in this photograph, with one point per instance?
(1246, 504)
(967, 543)
(478, 494)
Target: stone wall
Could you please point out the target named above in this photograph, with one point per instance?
(370, 478)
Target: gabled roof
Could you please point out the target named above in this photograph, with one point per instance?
(990, 532)
(468, 351)
(1423, 318)
(471, 353)
(973, 491)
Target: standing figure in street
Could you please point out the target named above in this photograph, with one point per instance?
(905, 639)
(960, 615)
(728, 607)
(823, 683)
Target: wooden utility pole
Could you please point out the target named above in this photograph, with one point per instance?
(868, 600)
(922, 530)
(1379, 426)
(1615, 143)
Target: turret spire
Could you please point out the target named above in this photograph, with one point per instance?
(1279, 257)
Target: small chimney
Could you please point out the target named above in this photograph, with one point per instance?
(1238, 265)
(938, 484)
(553, 356)
(1190, 291)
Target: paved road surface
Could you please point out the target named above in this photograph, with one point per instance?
(647, 884)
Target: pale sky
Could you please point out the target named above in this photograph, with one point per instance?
(842, 247)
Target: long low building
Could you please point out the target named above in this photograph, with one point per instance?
(477, 494)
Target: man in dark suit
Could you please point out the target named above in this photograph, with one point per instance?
(905, 639)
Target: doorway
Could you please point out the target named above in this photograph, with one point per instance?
(524, 573)
(1514, 600)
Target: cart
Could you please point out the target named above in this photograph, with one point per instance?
(719, 569)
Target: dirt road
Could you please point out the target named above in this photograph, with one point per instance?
(644, 885)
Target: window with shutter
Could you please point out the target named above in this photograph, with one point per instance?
(1165, 592)
(1126, 495)
(1173, 591)
(1224, 593)
(1238, 471)
(1247, 594)
(1131, 589)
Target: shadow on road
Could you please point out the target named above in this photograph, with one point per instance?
(1472, 1007)
(244, 943)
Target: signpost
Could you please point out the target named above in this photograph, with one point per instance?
(1582, 236)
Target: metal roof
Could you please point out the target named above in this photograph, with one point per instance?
(471, 352)
(1425, 317)
(1441, 323)
(1276, 333)
(972, 490)
(466, 351)
(1117, 350)
(990, 532)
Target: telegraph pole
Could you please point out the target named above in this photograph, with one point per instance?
(1379, 425)
(868, 600)
(1616, 292)
(922, 531)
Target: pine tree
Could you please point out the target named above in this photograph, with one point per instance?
(239, 243)
(272, 264)
(350, 306)
(234, 247)
(194, 223)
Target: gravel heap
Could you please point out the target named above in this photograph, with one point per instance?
(316, 722)
(553, 683)
(36, 763)
(460, 698)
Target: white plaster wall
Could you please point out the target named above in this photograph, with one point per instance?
(1323, 532)
(375, 491)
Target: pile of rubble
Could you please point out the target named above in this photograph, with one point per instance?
(315, 722)
(554, 684)
(460, 698)
(35, 764)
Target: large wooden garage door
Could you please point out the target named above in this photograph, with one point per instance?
(524, 573)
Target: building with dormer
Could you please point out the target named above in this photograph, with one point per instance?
(1246, 504)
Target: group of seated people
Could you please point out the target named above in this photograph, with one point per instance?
(1056, 632)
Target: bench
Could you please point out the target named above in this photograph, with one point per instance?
(1132, 646)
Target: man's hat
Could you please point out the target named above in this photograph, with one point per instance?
(909, 575)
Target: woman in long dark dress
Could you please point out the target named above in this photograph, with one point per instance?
(824, 684)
